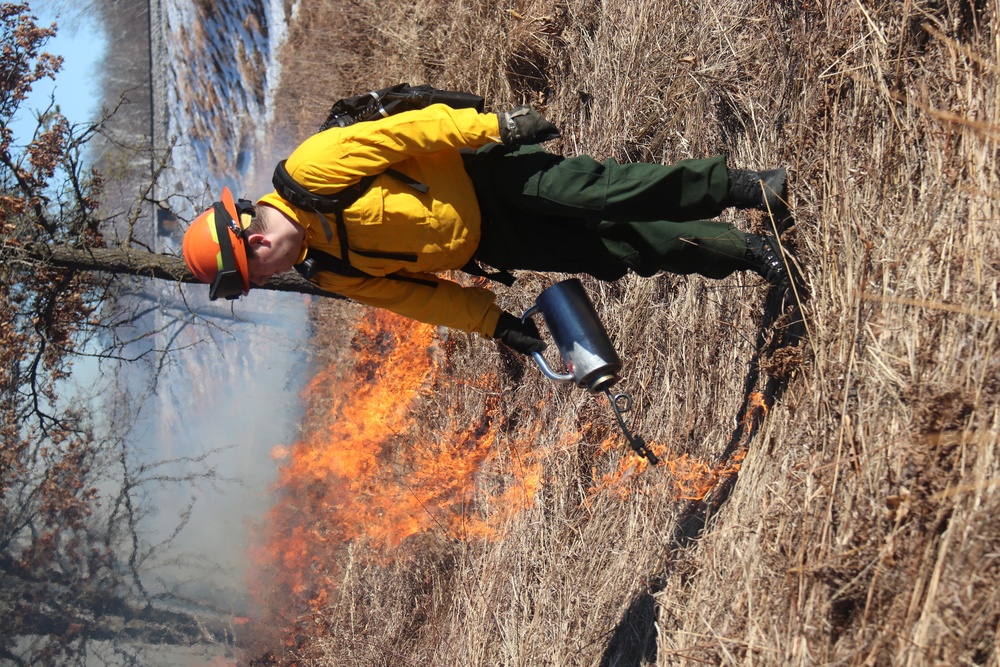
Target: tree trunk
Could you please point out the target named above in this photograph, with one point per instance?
(119, 261)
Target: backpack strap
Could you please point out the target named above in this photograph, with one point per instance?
(322, 205)
(317, 260)
(503, 276)
(296, 194)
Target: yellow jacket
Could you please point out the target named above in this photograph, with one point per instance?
(442, 227)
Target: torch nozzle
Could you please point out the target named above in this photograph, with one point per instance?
(622, 403)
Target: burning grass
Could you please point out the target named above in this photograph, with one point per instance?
(856, 521)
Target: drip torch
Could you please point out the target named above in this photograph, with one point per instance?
(585, 348)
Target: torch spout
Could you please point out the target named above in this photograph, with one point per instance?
(622, 403)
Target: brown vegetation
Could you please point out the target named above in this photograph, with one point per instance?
(863, 526)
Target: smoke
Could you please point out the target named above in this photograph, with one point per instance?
(219, 408)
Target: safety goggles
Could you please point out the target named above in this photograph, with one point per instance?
(228, 282)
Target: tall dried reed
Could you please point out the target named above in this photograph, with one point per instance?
(864, 525)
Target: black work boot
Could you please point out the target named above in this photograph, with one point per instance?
(764, 190)
(764, 257)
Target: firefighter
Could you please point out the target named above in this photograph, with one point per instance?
(455, 189)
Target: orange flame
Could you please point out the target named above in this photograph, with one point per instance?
(756, 407)
(689, 479)
(370, 471)
(692, 478)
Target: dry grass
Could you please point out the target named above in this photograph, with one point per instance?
(864, 525)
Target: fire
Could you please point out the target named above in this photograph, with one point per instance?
(690, 477)
(371, 471)
(756, 407)
(382, 461)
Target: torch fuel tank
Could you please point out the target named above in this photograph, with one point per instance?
(579, 335)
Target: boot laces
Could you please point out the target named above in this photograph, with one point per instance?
(765, 255)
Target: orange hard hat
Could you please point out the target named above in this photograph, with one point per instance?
(214, 247)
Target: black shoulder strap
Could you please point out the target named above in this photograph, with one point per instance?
(317, 260)
(296, 194)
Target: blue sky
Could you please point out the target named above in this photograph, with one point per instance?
(76, 92)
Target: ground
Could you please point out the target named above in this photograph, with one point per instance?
(830, 488)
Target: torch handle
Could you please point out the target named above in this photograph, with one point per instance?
(540, 360)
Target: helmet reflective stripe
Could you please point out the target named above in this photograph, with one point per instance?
(214, 231)
(228, 281)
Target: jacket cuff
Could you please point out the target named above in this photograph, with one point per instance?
(494, 129)
(490, 321)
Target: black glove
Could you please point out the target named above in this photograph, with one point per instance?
(521, 336)
(524, 125)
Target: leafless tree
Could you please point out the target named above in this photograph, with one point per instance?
(77, 280)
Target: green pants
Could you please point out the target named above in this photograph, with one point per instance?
(545, 212)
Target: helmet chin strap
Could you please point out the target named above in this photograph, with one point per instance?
(228, 283)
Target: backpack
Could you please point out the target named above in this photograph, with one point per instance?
(393, 100)
(357, 109)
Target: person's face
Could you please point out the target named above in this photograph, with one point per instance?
(274, 250)
(270, 257)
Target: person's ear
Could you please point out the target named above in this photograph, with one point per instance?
(258, 241)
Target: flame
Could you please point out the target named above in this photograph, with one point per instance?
(756, 407)
(382, 462)
(690, 477)
(369, 471)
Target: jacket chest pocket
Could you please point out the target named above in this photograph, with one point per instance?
(369, 209)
